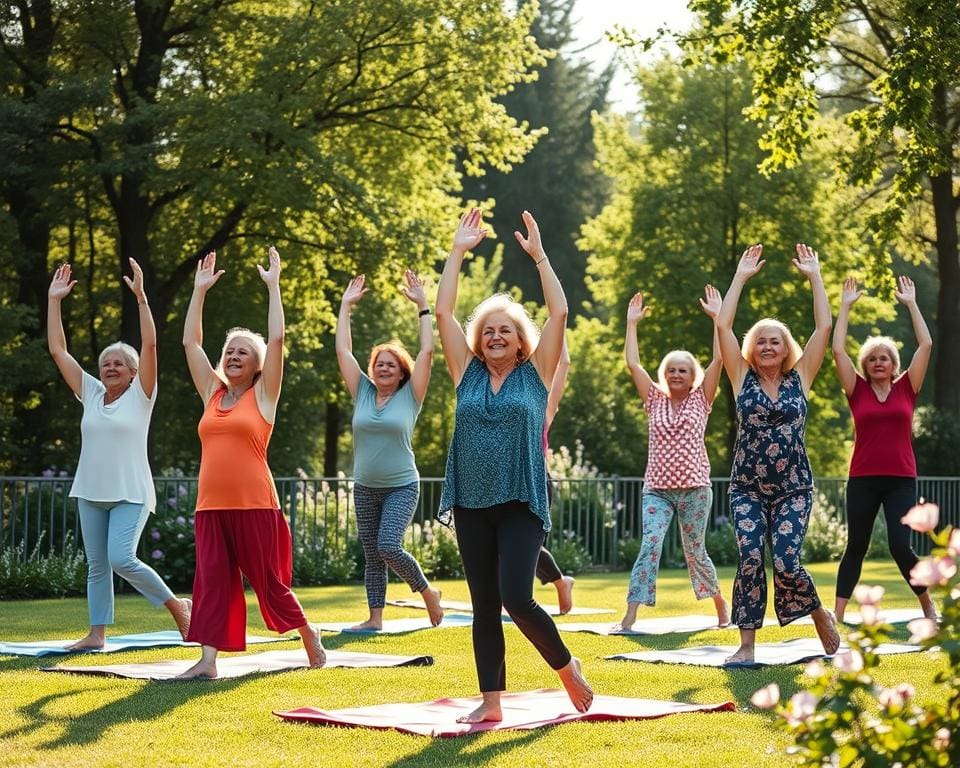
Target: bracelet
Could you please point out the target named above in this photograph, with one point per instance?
(423, 312)
(538, 263)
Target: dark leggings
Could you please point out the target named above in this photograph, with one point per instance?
(499, 547)
(547, 569)
(864, 497)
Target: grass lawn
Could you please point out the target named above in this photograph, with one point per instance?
(65, 720)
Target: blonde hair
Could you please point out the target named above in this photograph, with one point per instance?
(750, 342)
(396, 349)
(130, 357)
(527, 331)
(873, 343)
(679, 354)
(256, 341)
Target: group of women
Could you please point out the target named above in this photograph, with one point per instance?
(508, 377)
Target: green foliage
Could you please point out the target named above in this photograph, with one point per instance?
(628, 548)
(570, 554)
(439, 553)
(317, 563)
(170, 548)
(826, 536)
(847, 718)
(936, 442)
(721, 543)
(42, 575)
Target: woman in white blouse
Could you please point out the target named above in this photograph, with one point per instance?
(113, 483)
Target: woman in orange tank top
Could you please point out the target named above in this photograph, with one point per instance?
(240, 530)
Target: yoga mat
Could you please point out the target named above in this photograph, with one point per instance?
(664, 625)
(238, 666)
(398, 626)
(164, 639)
(884, 615)
(795, 651)
(467, 607)
(521, 711)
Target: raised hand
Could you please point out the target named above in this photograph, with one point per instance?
(207, 274)
(355, 291)
(61, 284)
(636, 309)
(413, 289)
(271, 276)
(807, 261)
(135, 284)
(851, 292)
(470, 232)
(531, 243)
(906, 292)
(750, 262)
(711, 301)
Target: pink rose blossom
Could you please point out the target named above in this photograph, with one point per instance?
(866, 595)
(933, 571)
(815, 669)
(923, 517)
(868, 614)
(849, 661)
(922, 629)
(953, 545)
(767, 697)
(941, 739)
(801, 706)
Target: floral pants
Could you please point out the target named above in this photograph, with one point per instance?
(692, 507)
(784, 518)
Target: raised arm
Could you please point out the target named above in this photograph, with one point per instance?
(271, 377)
(846, 370)
(456, 351)
(636, 311)
(349, 367)
(710, 303)
(907, 295)
(557, 385)
(547, 354)
(60, 287)
(810, 361)
(205, 379)
(733, 362)
(148, 332)
(420, 379)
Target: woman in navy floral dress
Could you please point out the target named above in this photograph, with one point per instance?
(771, 484)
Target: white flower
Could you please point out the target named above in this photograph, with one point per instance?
(953, 544)
(922, 629)
(923, 517)
(867, 595)
(801, 706)
(941, 739)
(849, 661)
(767, 697)
(815, 669)
(868, 614)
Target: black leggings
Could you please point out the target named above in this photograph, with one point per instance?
(499, 547)
(864, 497)
(547, 569)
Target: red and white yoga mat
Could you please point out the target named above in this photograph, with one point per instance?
(521, 711)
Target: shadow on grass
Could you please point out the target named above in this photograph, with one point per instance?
(463, 750)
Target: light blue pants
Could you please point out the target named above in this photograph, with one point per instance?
(111, 531)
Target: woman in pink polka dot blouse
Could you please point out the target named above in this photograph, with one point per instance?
(677, 480)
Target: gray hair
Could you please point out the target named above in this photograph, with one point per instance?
(130, 357)
(256, 341)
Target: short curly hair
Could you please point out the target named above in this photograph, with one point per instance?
(527, 331)
(396, 349)
(794, 351)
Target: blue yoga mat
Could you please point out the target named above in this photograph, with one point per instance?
(399, 626)
(166, 638)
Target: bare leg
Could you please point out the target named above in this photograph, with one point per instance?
(205, 669)
(316, 654)
(431, 599)
(840, 607)
(374, 622)
(748, 638)
(929, 607)
(626, 623)
(94, 640)
(826, 628)
(180, 610)
(489, 710)
(578, 689)
(723, 612)
(564, 587)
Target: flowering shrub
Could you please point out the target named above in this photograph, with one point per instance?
(568, 550)
(42, 574)
(439, 553)
(170, 549)
(846, 718)
(721, 543)
(627, 550)
(826, 533)
(581, 503)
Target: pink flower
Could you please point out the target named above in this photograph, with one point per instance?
(815, 669)
(801, 706)
(953, 545)
(933, 571)
(868, 614)
(868, 595)
(922, 629)
(767, 697)
(849, 661)
(923, 517)
(941, 739)
(157, 554)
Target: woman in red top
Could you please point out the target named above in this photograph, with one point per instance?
(882, 469)
(240, 530)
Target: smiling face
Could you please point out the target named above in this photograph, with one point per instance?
(770, 348)
(115, 371)
(387, 372)
(499, 338)
(678, 375)
(239, 362)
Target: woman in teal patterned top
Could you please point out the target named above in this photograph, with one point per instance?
(496, 482)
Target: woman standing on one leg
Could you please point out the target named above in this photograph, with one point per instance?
(240, 530)
(113, 483)
(883, 469)
(771, 484)
(387, 484)
(677, 479)
(496, 480)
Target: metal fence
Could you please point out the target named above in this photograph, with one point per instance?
(36, 514)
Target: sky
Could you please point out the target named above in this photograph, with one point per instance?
(592, 18)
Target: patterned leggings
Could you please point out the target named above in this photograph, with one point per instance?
(784, 518)
(692, 506)
(383, 515)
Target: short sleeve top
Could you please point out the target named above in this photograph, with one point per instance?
(676, 454)
(382, 437)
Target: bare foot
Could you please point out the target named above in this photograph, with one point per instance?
(181, 615)
(316, 654)
(578, 689)
(367, 626)
(92, 642)
(489, 711)
(564, 587)
(928, 606)
(621, 628)
(826, 627)
(431, 599)
(743, 655)
(723, 613)
(202, 670)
